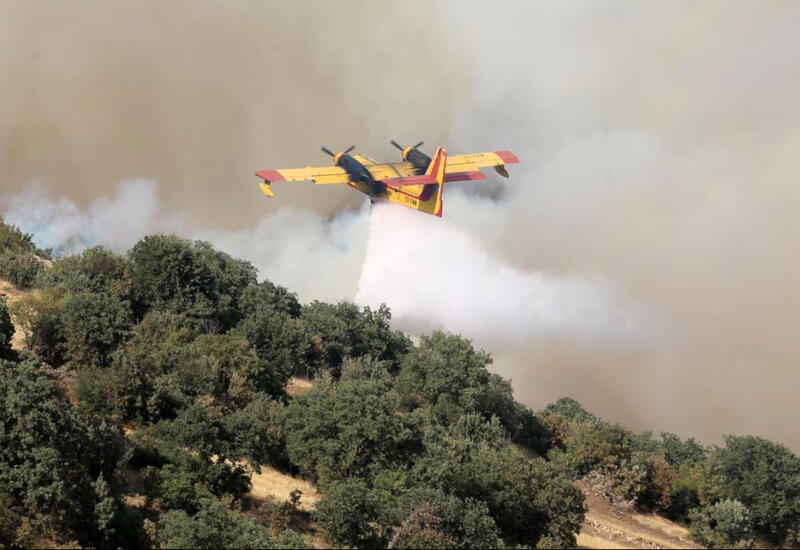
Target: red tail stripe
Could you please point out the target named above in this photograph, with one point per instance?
(507, 156)
(270, 176)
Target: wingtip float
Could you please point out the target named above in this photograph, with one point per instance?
(416, 182)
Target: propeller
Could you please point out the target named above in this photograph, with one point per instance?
(326, 150)
(393, 142)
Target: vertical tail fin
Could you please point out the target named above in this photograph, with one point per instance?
(437, 169)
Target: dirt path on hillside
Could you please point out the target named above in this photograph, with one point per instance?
(607, 527)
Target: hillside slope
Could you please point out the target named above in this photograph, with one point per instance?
(608, 527)
(605, 526)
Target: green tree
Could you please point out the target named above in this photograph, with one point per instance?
(257, 432)
(348, 512)
(18, 261)
(446, 373)
(51, 459)
(731, 521)
(6, 329)
(678, 452)
(528, 499)
(763, 476)
(348, 429)
(95, 270)
(21, 269)
(342, 330)
(95, 324)
(172, 274)
(38, 315)
(214, 527)
(429, 518)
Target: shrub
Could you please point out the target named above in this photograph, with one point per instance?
(20, 268)
(763, 476)
(6, 329)
(95, 324)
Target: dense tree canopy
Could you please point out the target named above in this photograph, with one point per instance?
(161, 376)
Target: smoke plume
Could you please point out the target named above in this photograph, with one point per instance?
(641, 258)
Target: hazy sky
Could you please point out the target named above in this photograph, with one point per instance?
(643, 257)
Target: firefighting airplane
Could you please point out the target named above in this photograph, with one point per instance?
(417, 182)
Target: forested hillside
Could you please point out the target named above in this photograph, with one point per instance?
(152, 385)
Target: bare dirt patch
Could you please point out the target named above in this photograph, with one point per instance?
(606, 526)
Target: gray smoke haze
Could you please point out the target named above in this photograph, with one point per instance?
(643, 257)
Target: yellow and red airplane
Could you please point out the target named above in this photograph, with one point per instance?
(417, 182)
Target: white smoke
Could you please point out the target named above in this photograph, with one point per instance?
(115, 222)
(433, 274)
(297, 248)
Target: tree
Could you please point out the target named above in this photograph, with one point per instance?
(528, 499)
(21, 268)
(51, 459)
(95, 324)
(257, 432)
(214, 527)
(172, 274)
(95, 270)
(6, 329)
(347, 512)
(430, 518)
(446, 373)
(348, 429)
(763, 476)
(342, 330)
(731, 524)
(678, 452)
(38, 315)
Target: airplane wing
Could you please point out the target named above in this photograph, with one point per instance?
(319, 175)
(472, 162)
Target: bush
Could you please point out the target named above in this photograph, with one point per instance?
(430, 518)
(6, 329)
(214, 527)
(38, 314)
(349, 429)
(348, 512)
(763, 476)
(528, 499)
(95, 324)
(53, 464)
(20, 268)
(95, 270)
(341, 331)
(189, 278)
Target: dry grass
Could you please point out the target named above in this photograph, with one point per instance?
(586, 540)
(272, 483)
(298, 386)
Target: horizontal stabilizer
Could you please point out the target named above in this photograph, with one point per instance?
(465, 176)
(424, 179)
